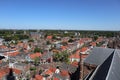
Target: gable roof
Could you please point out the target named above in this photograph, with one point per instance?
(93, 43)
(84, 49)
(64, 73)
(35, 55)
(49, 72)
(114, 70)
(38, 77)
(77, 56)
(12, 53)
(109, 68)
(99, 74)
(98, 55)
(49, 37)
(55, 78)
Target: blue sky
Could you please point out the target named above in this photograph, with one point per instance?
(60, 14)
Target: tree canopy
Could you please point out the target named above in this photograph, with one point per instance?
(38, 50)
(61, 57)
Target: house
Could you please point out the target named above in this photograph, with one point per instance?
(106, 62)
(3, 48)
(63, 75)
(63, 48)
(33, 56)
(39, 77)
(93, 44)
(75, 63)
(54, 78)
(5, 71)
(75, 56)
(1, 41)
(47, 57)
(81, 43)
(21, 66)
(84, 50)
(49, 37)
(49, 73)
(12, 53)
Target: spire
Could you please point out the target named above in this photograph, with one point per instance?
(10, 76)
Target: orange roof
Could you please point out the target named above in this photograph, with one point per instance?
(35, 55)
(12, 53)
(17, 71)
(75, 63)
(6, 70)
(2, 73)
(84, 49)
(49, 37)
(49, 72)
(55, 78)
(78, 51)
(64, 73)
(3, 47)
(0, 61)
(75, 56)
(20, 44)
(52, 69)
(38, 77)
(63, 47)
(93, 43)
(81, 41)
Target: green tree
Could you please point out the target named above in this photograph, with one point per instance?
(95, 38)
(48, 42)
(32, 68)
(30, 40)
(38, 50)
(62, 57)
(40, 71)
(70, 40)
(36, 61)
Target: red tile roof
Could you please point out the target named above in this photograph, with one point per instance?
(6, 70)
(75, 56)
(38, 77)
(2, 73)
(49, 37)
(17, 71)
(35, 55)
(52, 69)
(64, 73)
(12, 53)
(49, 72)
(81, 41)
(93, 43)
(63, 47)
(56, 78)
(84, 49)
(3, 47)
(0, 61)
(75, 63)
